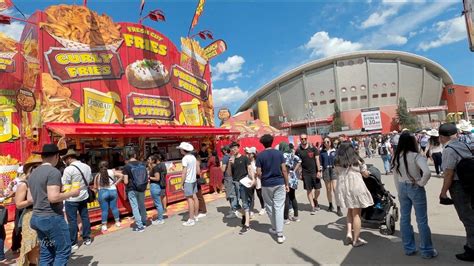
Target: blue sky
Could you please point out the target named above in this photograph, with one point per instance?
(267, 38)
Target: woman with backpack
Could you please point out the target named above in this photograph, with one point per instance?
(385, 151)
(158, 186)
(105, 182)
(435, 150)
(351, 192)
(411, 172)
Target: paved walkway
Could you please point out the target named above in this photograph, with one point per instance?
(315, 240)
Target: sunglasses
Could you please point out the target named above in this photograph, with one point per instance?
(303, 138)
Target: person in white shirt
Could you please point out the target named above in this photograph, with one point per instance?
(189, 181)
(77, 175)
(435, 150)
(411, 172)
(385, 151)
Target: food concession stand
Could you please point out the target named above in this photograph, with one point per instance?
(81, 80)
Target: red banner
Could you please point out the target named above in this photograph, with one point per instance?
(197, 14)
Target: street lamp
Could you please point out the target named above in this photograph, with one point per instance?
(204, 34)
(155, 15)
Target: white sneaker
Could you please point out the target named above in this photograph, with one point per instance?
(272, 231)
(281, 239)
(74, 247)
(189, 223)
(157, 222)
(287, 222)
(238, 214)
(262, 212)
(103, 228)
(196, 219)
(201, 215)
(117, 224)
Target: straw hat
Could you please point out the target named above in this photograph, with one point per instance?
(464, 126)
(251, 150)
(31, 161)
(433, 133)
(70, 152)
(405, 129)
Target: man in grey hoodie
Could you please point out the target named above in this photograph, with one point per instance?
(454, 151)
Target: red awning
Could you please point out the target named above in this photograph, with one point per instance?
(115, 130)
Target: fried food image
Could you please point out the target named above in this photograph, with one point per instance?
(52, 88)
(191, 46)
(79, 24)
(57, 105)
(147, 73)
(7, 160)
(7, 44)
(26, 101)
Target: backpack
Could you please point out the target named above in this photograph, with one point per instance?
(464, 170)
(139, 177)
(163, 172)
(383, 149)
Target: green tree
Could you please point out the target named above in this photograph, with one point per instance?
(404, 118)
(337, 122)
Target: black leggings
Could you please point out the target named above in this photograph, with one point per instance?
(260, 197)
(290, 198)
(437, 160)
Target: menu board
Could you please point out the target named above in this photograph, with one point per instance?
(97, 71)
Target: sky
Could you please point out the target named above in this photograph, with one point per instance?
(267, 38)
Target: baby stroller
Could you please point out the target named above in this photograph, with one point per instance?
(384, 212)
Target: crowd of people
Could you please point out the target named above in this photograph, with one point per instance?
(52, 202)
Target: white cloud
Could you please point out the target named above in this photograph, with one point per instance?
(449, 31)
(231, 66)
(234, 76)
(379, 18)
(321, 44)
(226, 96)
(13, 30)
(396, 40)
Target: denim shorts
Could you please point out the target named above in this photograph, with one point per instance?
(190, 189)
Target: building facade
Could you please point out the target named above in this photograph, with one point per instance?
(303, 99)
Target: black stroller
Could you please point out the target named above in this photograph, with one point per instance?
(384, 212)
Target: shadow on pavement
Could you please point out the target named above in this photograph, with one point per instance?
(230, 222)
(82, 260)
(388, 249)
(305, 257)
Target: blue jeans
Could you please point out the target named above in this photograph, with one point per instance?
(386, 162)
(155, 191)
(235, 200)
(246, 195)
(137, 202)
(54, 239)
(108, 199)
(71, 213)
(414, 196)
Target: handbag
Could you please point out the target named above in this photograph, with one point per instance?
(3, 215)
(92, 196)
(200, 180)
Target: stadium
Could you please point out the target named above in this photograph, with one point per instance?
(365, 85)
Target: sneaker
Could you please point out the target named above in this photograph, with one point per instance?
(238, 214)
(75, 247)
(313, 211)
(317, 208)
(244, 230)
(139, 229)
(295, 219)
(103, 228)
(196, 219)
(287, 221)
(272, 231)
(252, 214)
(189, 223)
(117, 224)
(359, 243)
(157, 222)
(281, 239)
(433, 255)
(330, 208)
(88, 242)
(262, 212)
(466, 256)
(201, 215)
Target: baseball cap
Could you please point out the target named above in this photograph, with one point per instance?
(185, 146)
(447, 130)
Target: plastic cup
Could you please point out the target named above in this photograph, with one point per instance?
(191, 113)
(76, 185)
(67, 188)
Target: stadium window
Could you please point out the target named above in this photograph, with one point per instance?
(393, 94)
(375, 96)
(344, 99)
(332, 101)
(384, 95)
(315, 103)
(323, 102)
(363, 97)
(354, 98)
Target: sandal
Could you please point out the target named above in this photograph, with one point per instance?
(359, 242)
(347, 240)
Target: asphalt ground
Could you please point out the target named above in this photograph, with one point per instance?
(316, 239)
